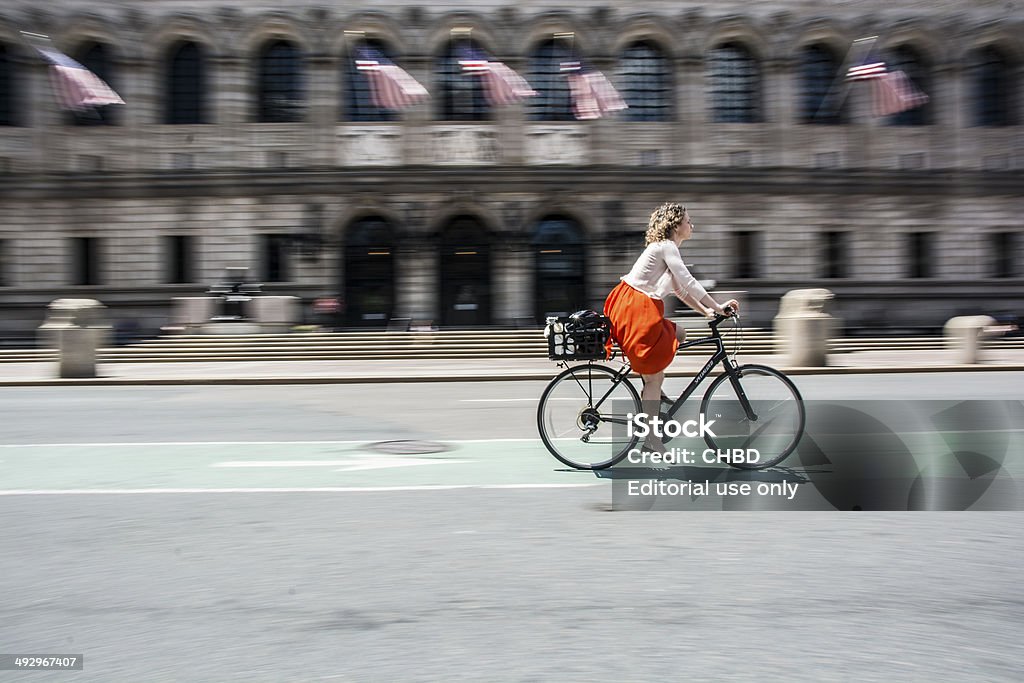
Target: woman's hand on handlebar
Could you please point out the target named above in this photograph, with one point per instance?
(729, 308)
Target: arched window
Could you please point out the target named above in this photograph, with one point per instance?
(460, 96)
(645, 82)
(282, 92)
(185, 85)
(559, 267)
(7, 98)
(369, 268)
(357, 97)
(465, 273)
(552, 102)
(96, 58)
(819, 68)
(992, 88)
(910, 62)
(735, 84)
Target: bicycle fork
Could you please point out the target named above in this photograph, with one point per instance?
(734, 379)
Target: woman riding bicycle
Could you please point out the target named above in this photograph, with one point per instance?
(636, 306)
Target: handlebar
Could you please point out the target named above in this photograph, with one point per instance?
(719, 317)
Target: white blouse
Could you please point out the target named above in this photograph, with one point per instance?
(660, 271)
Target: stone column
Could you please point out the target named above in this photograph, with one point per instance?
(691, 111)
(232, 102)
(778, 102)
(323, 99)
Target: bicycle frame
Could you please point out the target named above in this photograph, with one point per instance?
(719, 356)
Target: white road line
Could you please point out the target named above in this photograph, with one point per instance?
(282, 463)
(503, 400)
(366, 442)
(506, 400)
(352, 465)
(326, 489)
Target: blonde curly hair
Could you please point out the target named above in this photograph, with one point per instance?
(663, 221)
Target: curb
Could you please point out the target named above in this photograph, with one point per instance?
(415, 379)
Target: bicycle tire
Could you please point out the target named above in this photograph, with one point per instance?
(772, 395)
(563, 415)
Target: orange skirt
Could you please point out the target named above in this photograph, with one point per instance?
(639, 326)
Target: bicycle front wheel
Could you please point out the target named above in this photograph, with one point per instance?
(778, 410)
(582, 417)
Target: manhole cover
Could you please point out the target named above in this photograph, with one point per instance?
(408, 447)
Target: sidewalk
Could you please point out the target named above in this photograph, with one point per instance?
(383, 371)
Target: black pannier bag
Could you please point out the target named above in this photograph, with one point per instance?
(580, 336)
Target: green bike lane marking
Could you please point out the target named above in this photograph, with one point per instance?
(340, 466)
(234, 467)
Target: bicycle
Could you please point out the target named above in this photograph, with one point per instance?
(753, 406)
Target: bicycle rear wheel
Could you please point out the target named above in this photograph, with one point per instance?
(777, 405)
(582, 417)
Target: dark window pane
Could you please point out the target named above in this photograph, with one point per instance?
(552, 102)
(747, 247)
(275, 258)
(178, 258)
(834, 261)
(735, 85)
(282, 97)
(7, 98)
(993, 92)
(357, 98)
(920, 247)
(461, 96)
(185, 92)
(907, 60)
(645, 83)
(96, 58)
(85, 266)
(818, 70)
(1004, 257)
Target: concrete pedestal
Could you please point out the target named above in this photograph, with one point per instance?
(803, 328)
(274, 313)
(77, 346)
(965, 334)
(70, 313)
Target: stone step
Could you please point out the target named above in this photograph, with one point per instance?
(443, 344)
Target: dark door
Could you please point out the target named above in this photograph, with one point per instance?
(559, 267)
(465, 274)
(369, 273)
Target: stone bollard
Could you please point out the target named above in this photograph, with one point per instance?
(68, 313)
(192, 312)
(77, 346)
(965, 333)
(274, 313)
(803, 328)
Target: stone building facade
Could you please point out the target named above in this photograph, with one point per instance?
(499, 215)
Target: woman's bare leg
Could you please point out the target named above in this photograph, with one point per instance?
(650, 398)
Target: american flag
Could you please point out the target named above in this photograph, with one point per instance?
(391, 87)
(592, 93)
(76, 87)
(502, 85)
(891, 91)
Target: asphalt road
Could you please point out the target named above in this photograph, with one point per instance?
(482, 562)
